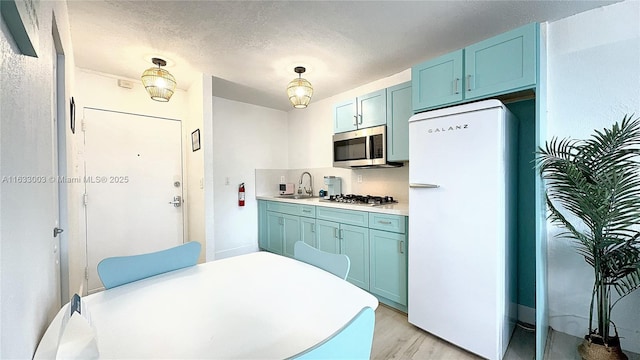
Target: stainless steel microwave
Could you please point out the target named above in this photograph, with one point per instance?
(363, 148)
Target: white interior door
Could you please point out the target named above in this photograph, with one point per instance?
(133, 173)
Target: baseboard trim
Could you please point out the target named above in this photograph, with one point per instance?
(236, 252)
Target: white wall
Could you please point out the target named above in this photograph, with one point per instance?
(29, 289)
(194, 166)
(245, 137)
(310, 144)
(593, 81)
(100, 90)
(311, 129)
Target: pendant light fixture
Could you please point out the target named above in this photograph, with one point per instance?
(299, 90)
(158, 82)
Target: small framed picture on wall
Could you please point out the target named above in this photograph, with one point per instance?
(195, 140)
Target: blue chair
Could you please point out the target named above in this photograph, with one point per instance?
(120, 270)
(337, 264)
(353, 341)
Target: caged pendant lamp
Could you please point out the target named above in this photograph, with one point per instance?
(159, 83)
(299, 90)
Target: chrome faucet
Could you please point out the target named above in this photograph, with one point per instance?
(310, 191)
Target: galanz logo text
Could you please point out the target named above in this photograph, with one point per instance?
(450, 128)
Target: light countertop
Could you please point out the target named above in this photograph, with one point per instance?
(400, 208)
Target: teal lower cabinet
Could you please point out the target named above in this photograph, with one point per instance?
(328, 238)
(281, 225)
(375, 243)
(283, 231)
(262, 224)
(350, 240)
(388, 259)
(274, 241)
(354, 242)
(308, 231)
(291, 229)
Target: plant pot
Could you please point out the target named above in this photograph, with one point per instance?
(593, 348)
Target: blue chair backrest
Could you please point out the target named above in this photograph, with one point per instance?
(120, 270)
(353, 341)
(337, 264)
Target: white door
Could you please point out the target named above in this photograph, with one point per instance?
(133, 179)
(56, 230)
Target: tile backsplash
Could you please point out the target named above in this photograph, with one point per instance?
(384, 181)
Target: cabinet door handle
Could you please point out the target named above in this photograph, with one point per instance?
(469, 82)
(355, 120)
(360, 116)
(426, 186)
(384, 222)
(313, 228)
(335, 233)
(455, 86)
(341, 234)
(306, 211)
(281, 221)
(401, 247)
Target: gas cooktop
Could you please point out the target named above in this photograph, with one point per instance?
(361, 199)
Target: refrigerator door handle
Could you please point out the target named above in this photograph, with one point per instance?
(427, 186)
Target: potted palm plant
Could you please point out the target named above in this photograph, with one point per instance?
(593, 194)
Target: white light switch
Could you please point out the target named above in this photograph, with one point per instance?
(281, 179)
(359, 178)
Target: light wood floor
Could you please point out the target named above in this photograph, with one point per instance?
(396, 338)
(563, 347)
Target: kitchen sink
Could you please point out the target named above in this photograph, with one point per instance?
(300, 197)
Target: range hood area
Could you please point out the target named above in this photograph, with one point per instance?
(362, 149)
(388, 164)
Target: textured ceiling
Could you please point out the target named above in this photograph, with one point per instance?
(251, 47)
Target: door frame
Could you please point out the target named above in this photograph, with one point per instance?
(58, 59)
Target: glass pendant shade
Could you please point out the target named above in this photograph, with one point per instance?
(299, 90)
(159, 83)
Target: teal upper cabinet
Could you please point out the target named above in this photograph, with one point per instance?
(365, 111)
(398, 114)
(345, 115)
(502, 64)
(438, 81)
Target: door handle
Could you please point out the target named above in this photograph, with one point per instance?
(428, 186)
(401, 246)
(469, 82)
(360, 116)
(177, 201)
(355, 120)
(455, 86)
(57, 231)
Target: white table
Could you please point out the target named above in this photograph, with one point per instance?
(252, 306)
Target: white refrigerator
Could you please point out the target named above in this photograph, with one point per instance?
(462, 223)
